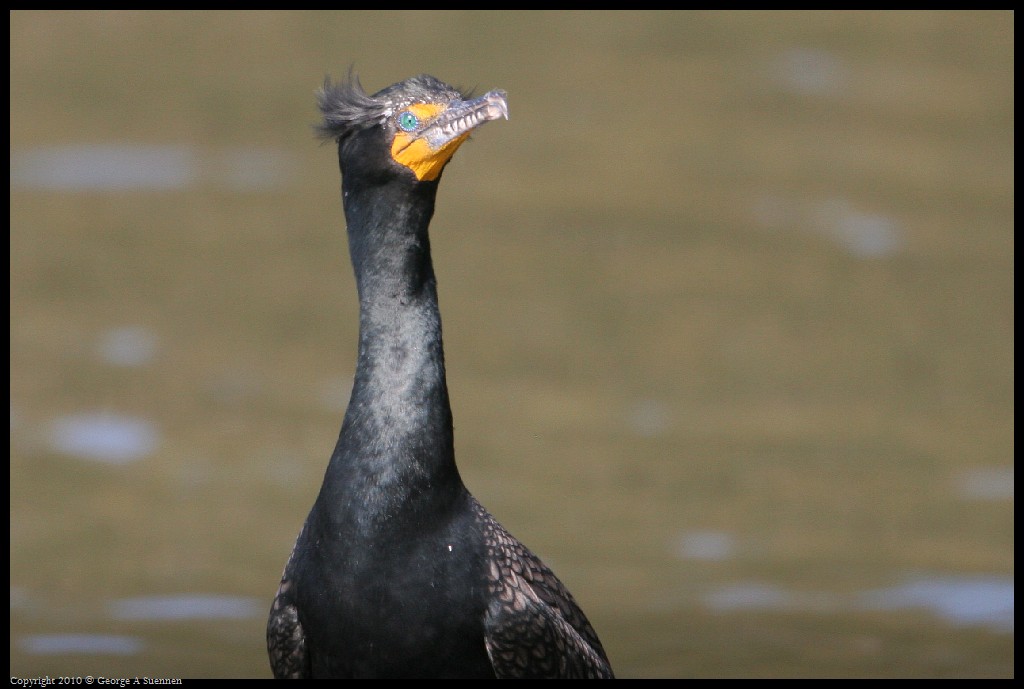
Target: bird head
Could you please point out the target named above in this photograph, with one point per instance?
(421, 122)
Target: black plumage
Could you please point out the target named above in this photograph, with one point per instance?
(398, 570)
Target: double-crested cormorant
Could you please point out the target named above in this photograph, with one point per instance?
(398, 570)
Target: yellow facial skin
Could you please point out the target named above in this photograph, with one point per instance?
(416, 154)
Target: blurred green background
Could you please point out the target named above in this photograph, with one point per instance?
(728, 309)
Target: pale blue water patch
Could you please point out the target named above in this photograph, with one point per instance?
(865, 235)
(961, 601)
(859, 233)
(136, 167)
(127, 346)
(103, 437)
(710, 546)
(103, 167)
(749, 596)
(986, 483)
(186, 607)
(86, 644)
(808, 72)
(649, 418)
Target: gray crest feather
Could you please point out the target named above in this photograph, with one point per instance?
(346, 107)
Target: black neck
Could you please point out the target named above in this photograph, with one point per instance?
(397, 436)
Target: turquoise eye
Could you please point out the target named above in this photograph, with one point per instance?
(408, 121)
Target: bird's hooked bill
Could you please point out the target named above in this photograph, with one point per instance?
(462, 116)
(432, 132)
(496, 104)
